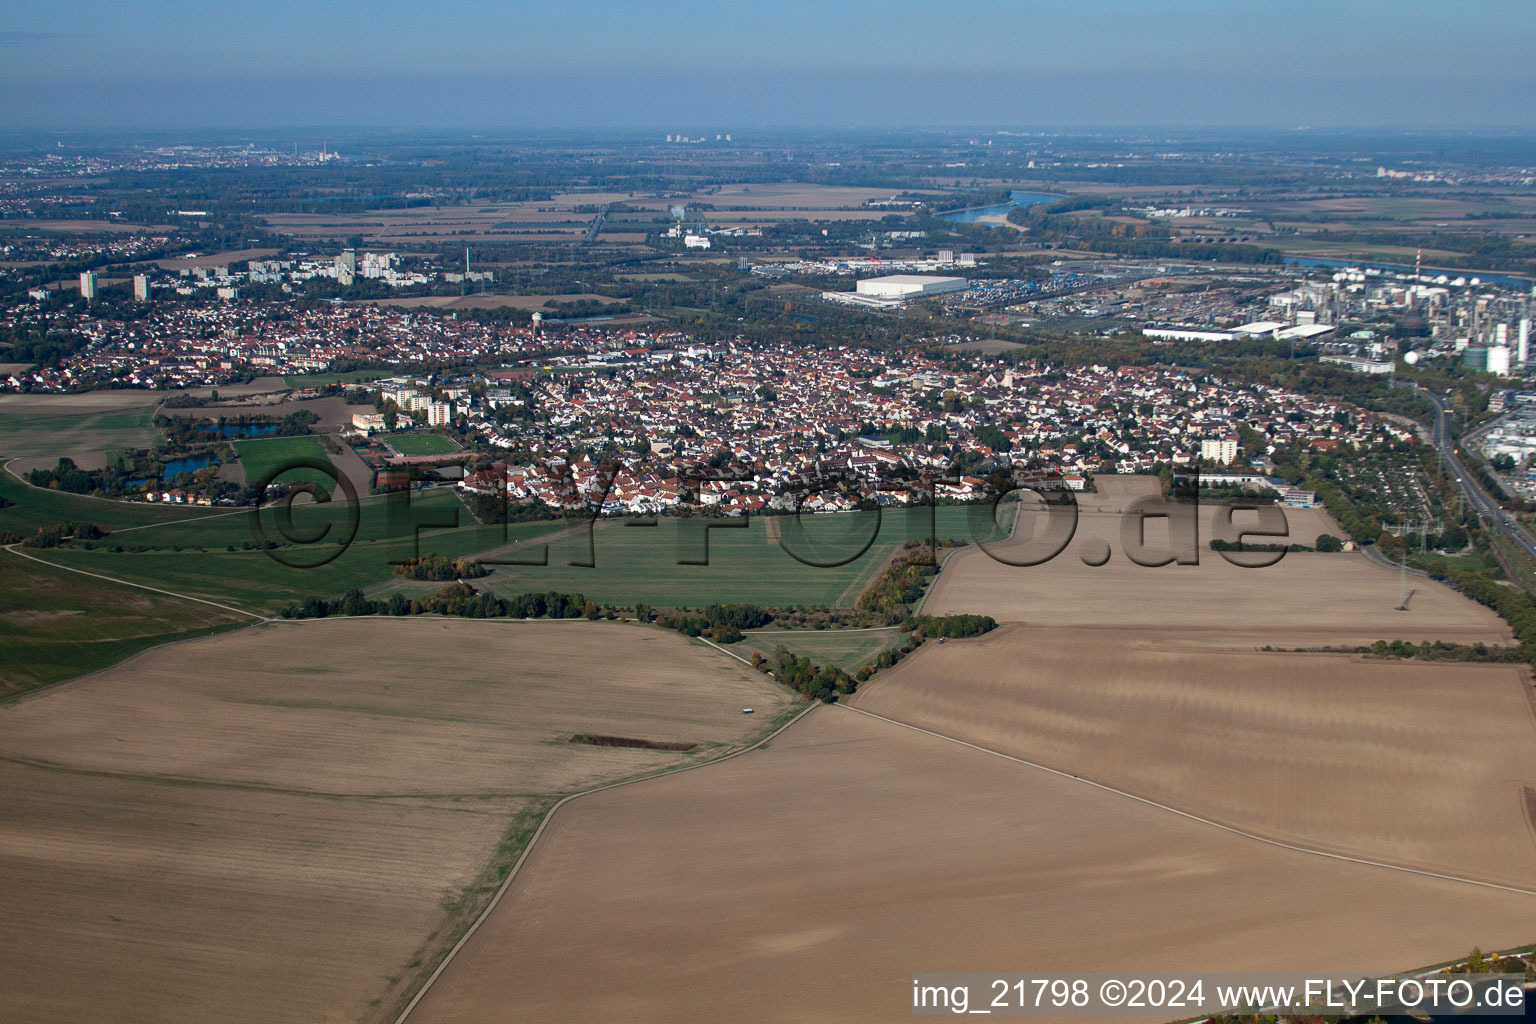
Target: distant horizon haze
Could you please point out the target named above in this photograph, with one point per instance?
(583, 64)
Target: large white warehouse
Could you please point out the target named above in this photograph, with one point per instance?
(910, 286)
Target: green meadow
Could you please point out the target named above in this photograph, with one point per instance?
(56, 624)
(23, 434)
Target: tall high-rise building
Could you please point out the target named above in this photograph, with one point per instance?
(141, 287)
(1523, 340)
(1498, 360)
(88, 285)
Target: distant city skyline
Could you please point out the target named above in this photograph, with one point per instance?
(585, 64)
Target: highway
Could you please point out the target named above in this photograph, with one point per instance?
(597, 224)
(1493, 516)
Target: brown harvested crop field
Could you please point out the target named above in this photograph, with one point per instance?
(1306, 599)
(90, 401)
(557, 219)
(1370, 758)
(791, 195)
(51, 227)
(525, 302)
(215, 259)
(284, 823)
(808, 881)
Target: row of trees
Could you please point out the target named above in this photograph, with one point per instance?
(458, 599)
(902, 582)
(818, 682)
(55, 534)
(722, 623)
(436, 567)
(953, 627)
(1326, 543)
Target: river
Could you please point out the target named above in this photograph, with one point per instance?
(1015, 199)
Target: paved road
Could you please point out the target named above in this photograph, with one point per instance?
(1496, 518)
(596, 225)
(1370, 552)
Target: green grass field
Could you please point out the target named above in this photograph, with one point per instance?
(208, 557)
(846, 649)
(23, 435)
(320, 380)
(636, 563)
(264, 457)
(31, 507)
(421, 444)
(56, 624)
(194, 558)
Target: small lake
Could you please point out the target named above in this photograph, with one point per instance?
(239, 430)
(175, 467)
(1015, 199)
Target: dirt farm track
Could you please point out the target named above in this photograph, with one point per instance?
(297, 813)
(808, 881)
(1138, 771)
(1168, 794)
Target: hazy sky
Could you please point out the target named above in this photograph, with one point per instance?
(722, 63)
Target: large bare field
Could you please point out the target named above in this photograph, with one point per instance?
(791, 195)
(525, 302)
(1312, 599)
(23, 226)
(46, 404)
(431, 224)
(89, 401)
(335, 415)
(214, 259)
(730, 218)
(142, 902)
(557, 219)
(290, 823)
(1427, 764)
(809, 880)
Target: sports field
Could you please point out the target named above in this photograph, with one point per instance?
(809, 880)
(304, 815)
(421, 444)
(270, 459)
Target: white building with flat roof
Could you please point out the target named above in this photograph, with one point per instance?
(1185, 334)
(1259, 328)
(1220, 450)
(910, 286)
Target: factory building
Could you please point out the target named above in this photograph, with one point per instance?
(910, 286)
